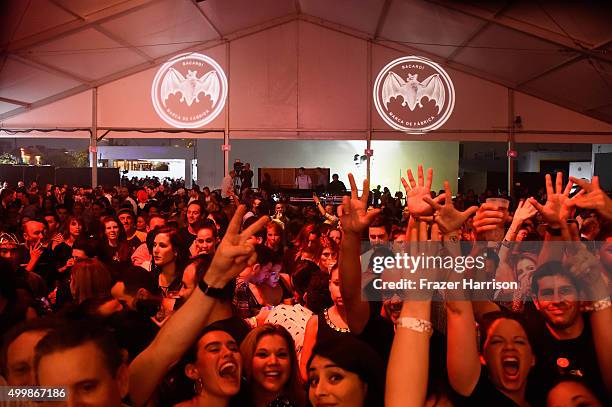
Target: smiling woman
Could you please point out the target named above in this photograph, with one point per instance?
(214, 367)
(271, 367)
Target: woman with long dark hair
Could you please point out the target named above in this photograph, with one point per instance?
(170, 257)
(71, 231)
(114, 248)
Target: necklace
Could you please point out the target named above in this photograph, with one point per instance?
(332, 325)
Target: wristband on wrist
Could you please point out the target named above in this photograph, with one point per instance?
(217, 293)
(598, 305)
(415, 324)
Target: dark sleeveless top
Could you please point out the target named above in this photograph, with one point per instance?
(325, 332)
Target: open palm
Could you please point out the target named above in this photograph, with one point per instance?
(416, 192)
(557, 208)
(447, 216)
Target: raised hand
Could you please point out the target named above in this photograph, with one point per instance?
(592, 198)
(416, 192)
(446, 216)
(556, 210)
(234, 252)
(353, 213)
(525, 210)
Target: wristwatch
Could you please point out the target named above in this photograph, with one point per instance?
(218, 293)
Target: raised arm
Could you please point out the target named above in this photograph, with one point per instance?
(317, 202)
(462, 359)
(182, 329)
(355, 219)
(410, 350)
(588, 269)
(409, 357)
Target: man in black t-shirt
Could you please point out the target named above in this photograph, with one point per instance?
(336, 186)
(195, 215)
(563, 337)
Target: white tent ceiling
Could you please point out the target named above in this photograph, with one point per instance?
(557, 51)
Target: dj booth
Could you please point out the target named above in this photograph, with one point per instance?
(304, 196)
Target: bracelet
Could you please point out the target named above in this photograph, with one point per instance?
(451, 237)
(415, 324)
(554, 231)
(598, 305)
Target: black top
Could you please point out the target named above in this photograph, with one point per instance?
(46, 266)
(325, 332)
(186, 237)
(485, 394)
(378, 333)
(247, 178)
(337, 187)
(557, 358)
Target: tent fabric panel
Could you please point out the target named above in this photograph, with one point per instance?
(569, 15)
(230, 16)
(127, 101)
(88, 53)
(85, 8)
(537, 114)
(423, 23)
(333, 91)
(16, 78)
(361, 15)
(581, 83)
(176, 24)
(263, 84)
(5, 107)
(515, 55)
(74, 111)
(40, 16)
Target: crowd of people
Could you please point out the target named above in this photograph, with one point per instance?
(153, 294)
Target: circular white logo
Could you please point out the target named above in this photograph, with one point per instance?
(189, 90)
(414, 95)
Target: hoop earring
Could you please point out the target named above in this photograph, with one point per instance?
(198, 385)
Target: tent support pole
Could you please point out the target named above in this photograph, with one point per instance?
(226, 139)
(369, 110)
(93, 151)
(511, 125)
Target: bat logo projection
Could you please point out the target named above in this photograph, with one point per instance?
(183, 98)
(411, 105)
(190, 86)
(413, 91)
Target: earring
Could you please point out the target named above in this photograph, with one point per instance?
(198, 386)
